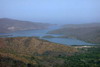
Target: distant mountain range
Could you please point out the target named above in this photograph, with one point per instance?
(9, 25)
(88, 32)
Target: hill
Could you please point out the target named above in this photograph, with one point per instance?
(31, 52)
(9, 25)
(34, 52)
(87, 32)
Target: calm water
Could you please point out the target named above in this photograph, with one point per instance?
(67, 41)
(41, 33)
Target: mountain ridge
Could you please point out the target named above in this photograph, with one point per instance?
(87, 32)
(9, 25)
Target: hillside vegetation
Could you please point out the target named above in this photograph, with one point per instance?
(31, 52)
(34, 52)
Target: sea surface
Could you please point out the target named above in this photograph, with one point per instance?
(43, 32)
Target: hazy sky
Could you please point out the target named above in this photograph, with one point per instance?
(52, 11)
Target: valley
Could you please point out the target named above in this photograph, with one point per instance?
(53, 37)
(49, 33)
(49, 46)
